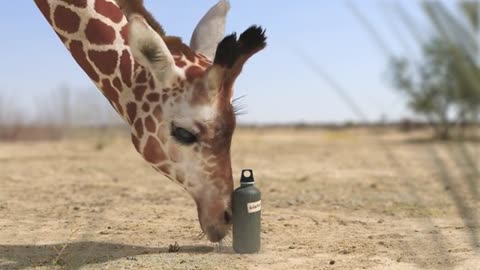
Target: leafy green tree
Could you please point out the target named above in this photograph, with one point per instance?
(432, 87)
(445, 86)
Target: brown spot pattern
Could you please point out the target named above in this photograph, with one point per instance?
(139, 91)
(44, 8)
(180, 63)
(141, 77)
(146, 107)
(126, 68)
(193, 72)
(153, 97)
(151, 83)
(150, 124)
(109, 10)
(99, 33)
(132, 112)
(111, 94)
(124, 34)
(118, 84)
(136, 66)
(66, 20)
(153, 152)
(139, 128)
(76, 49)
(105, 61)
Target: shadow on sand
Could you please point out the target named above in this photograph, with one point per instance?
(78, 254)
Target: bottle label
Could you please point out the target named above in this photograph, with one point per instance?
(254, 206)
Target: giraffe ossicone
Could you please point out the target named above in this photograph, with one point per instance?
(210, 30)
(176, 98)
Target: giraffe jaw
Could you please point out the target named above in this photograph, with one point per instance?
(214, 216)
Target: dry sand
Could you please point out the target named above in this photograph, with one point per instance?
(331, 200)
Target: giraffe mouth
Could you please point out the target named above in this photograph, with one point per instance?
(216, 234)
(215, 218)
(216, 230)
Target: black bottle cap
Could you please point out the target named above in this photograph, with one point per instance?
(247, 177)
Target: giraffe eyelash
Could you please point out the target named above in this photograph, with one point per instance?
(239, 108)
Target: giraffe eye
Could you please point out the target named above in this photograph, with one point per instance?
(183, 136)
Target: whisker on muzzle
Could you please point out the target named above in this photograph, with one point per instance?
(224, 246)
(219, 246)
(227, 241)
(200, 236)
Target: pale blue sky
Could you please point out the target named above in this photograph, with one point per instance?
(279, 86)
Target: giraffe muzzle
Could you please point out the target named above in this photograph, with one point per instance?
(216, 234)
(215, 217)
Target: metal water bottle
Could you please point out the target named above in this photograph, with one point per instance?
(246, 208)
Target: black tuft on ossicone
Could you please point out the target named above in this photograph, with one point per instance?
(227, 51)
(253, 39)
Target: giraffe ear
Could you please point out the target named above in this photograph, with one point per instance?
(210, 30)
(149, 49)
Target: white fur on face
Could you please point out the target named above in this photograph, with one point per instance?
(183, 114)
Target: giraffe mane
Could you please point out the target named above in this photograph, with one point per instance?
(137, 6)
(174, 43)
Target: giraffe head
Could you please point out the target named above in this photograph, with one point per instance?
(184, 128)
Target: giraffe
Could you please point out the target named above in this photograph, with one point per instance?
(176, 98)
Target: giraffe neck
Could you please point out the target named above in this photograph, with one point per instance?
(95, 32)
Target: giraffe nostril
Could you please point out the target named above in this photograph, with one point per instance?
(228, 217)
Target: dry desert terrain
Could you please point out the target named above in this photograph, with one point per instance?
(332, 199)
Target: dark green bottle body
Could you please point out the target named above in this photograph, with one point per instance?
(246, 208)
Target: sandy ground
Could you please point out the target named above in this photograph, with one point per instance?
(348, 199)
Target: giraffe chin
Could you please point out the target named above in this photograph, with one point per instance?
(216, 234)
(215, 218)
